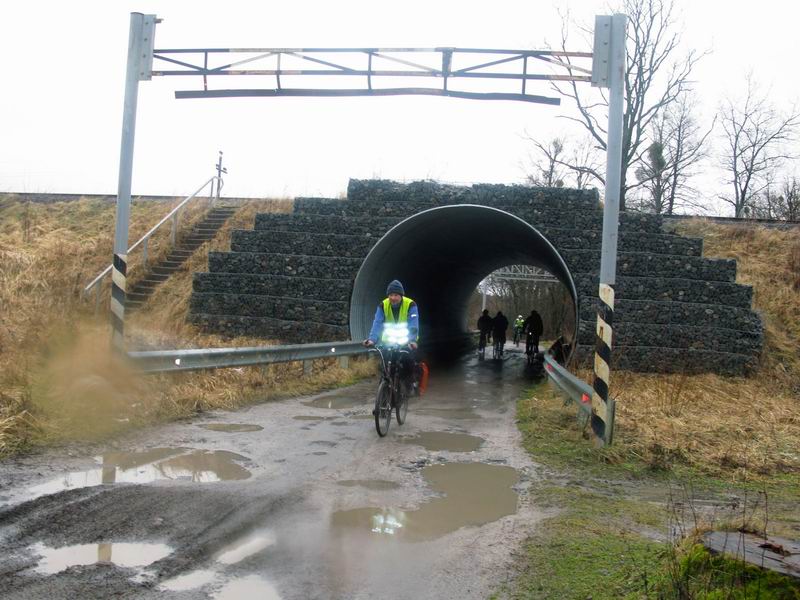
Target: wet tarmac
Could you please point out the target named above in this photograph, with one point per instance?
(307, 501)
(232, 427)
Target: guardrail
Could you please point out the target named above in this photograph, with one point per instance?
(167, 361)
(578, 391)
(174, 216)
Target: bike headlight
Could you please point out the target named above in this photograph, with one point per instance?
(397, 334)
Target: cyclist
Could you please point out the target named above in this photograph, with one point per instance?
(398, 309)
(485, 327)
(518, 323)
(499, 326)
(533, 327)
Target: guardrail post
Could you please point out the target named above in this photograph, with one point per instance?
(344, 362)
(308, 367)
(144, 251)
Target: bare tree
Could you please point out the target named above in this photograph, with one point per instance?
(548, 169)
(756, 135)
(653, 80)
(562, 162)
(777, 202)
(672, 158)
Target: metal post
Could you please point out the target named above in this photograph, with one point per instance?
(140, 45)
(308, 367)
(220, 171)
(602, 405)
(344, 361)
(144, 251)
(173, 236)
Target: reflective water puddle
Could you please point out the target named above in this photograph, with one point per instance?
(370, 484)
(246, 588)
(310, 418)
(342, 400)
(55, 560)
(247, 546)
(190, 581)
(475, 494)
(200, 466)
(440, 440)
(231, 427)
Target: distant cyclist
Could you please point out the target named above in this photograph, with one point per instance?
(499, 326)
(533, 327)
(518, 323)
(485, 328)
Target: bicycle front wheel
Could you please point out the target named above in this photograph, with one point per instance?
(383, 408)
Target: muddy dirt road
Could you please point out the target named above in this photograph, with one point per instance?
(292, 499)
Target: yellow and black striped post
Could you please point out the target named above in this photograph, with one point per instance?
(118, 279)
(603, 407)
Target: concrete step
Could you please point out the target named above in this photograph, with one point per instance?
(164, 270)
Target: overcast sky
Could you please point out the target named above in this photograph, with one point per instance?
(63, 68)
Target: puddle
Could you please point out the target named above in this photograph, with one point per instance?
(245, 547)
(250, 587)
(319, 453)
(343, 400)
(440, 440)
(309, 418)
(475, 494)
(200, 466)
(55, 560)
(370, 484)
(190, 581)
(231, 427)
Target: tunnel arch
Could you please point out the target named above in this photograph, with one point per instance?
(441, 255)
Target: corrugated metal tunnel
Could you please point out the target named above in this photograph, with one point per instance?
(441, 255)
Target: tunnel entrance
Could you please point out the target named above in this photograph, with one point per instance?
(441, 255)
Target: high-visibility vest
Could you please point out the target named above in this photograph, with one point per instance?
(388, 314)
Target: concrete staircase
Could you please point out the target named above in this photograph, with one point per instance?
(191, 241)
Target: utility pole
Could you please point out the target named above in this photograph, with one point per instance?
(608, 70)
(140, 63)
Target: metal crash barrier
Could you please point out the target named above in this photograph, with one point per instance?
(165, 361)
(578, 391)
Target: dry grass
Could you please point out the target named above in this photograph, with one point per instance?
(58, 381)
(723, 425)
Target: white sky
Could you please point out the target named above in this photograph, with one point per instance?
(63, 68)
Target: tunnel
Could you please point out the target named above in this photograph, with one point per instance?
(441, 255)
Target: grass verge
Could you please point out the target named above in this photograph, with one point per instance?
(625, 527)
(58, 381)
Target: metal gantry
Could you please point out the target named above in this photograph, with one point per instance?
(308, 70)
(367, 68)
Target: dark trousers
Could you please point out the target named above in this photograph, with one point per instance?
(531, 343)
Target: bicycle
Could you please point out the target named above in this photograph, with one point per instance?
(498, 349)
(392, 393)
(482, 346)
(517, 332)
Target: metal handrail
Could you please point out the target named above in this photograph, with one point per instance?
(174, 215)
(166, 361)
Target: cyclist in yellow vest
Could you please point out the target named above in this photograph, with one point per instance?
(398, 311)
(395, 309)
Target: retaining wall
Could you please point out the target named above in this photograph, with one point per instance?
(292, 275)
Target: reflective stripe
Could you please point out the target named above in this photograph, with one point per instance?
(388, 314)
